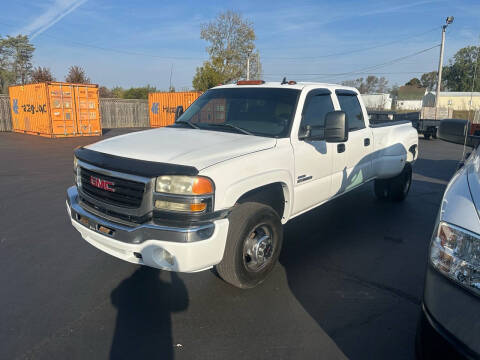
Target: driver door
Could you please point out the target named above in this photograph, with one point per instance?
(313, 158)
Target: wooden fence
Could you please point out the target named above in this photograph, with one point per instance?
(5, 117)
(115, 113)
(122, 113)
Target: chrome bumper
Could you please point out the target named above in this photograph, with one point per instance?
(137, 234)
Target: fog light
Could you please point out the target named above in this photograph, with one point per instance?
(167, 257)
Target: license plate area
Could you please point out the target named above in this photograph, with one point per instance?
(92, 225)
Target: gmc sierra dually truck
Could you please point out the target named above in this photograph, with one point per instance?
(215, 188)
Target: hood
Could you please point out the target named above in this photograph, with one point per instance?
(192, 147)
(473, 174)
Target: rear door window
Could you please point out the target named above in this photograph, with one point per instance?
(349, 103)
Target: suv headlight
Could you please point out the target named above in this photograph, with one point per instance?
(455, 252)
(183, 193)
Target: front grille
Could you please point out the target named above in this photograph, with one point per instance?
(127, 193)
(103, 212)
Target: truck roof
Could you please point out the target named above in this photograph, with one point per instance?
(299, 85)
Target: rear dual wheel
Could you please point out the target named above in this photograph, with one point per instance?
(254, 241)
(396, 188)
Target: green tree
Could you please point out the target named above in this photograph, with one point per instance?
(429, 80)
(206, 77)
(231, 41)
(118, 92)
(139, 93)
(414, 82)
(42, 74)
(15, 61)
(77, 75)
(459, 73)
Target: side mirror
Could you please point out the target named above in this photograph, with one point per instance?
(305, 132)
(336, 127)
(178, 112)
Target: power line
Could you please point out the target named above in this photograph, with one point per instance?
(328, 74)
(390, 62)
(368, 70)
(353, 51)
(134, 53)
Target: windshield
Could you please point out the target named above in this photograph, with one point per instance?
(259, 111)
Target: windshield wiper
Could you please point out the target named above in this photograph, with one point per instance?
(192, 125)
(231, 126)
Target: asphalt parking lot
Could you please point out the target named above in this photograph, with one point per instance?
(349, 283)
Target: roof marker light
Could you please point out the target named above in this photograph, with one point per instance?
(250, 82)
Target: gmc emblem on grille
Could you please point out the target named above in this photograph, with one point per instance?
(102, 184)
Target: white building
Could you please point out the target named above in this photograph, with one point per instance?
(377, 101)
(413, 105)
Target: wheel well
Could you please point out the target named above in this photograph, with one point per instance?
(271, 195)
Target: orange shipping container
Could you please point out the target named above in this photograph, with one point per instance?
(55, 109)
(162, 106)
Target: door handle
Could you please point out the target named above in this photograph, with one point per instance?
(366, 141)
(340, 148)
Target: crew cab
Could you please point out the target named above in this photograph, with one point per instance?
(215, 188)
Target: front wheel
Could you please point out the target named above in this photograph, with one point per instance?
(396, 188)
(254, 241)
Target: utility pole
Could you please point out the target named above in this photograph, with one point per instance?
(448, 21)
(249, 53)
(171, 73)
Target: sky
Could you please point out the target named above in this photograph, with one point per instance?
(134, 43)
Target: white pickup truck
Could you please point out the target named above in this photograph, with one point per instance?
(215, 188)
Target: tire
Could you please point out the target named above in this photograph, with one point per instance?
(242, 264)
(396, 188)
(426, 136)
(381, 189)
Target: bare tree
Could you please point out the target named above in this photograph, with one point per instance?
(77, 75)
(382, 85)
(42, 74)
(371, 84)
(105, 92)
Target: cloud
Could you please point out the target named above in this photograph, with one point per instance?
(55, 12)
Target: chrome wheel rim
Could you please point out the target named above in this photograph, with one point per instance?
(258, 248)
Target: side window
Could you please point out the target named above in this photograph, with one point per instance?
(317, 105)
(351, 106)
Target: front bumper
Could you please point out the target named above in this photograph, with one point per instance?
(434, 342)
(187, 249)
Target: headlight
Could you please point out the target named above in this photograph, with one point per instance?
(76, 171)
(455, 252)
(184, 185)
(192, 194)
